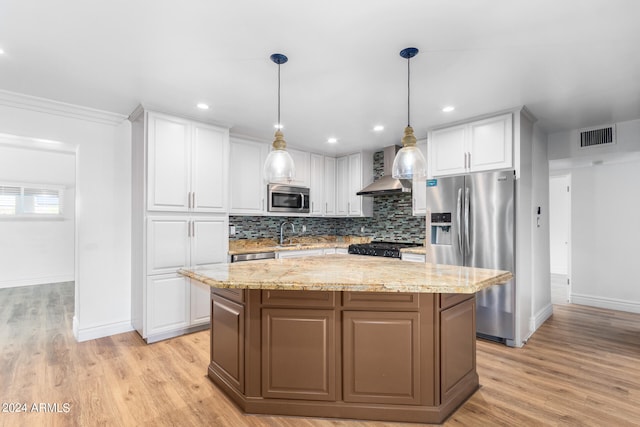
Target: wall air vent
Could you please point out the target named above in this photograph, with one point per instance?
(593, 137)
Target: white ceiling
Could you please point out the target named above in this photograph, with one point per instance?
(573, 63)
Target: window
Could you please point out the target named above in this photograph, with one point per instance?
(30, 200)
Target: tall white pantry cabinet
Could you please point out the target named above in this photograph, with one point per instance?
(179, 218)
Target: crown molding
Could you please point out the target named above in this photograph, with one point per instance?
(43, 105)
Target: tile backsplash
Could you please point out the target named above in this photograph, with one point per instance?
(391, 221)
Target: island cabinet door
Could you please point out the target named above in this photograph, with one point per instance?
(381, 354)
(227, 341)
(458, 347)
(298, 354)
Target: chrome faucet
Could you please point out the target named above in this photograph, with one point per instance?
(282, 225)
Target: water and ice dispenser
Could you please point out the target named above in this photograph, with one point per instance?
(441, 228)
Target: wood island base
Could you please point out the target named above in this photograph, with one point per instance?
(408, 357)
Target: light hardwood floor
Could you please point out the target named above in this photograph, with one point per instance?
(582, 367)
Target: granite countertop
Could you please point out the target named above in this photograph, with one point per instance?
(249, 246)
(348, 273)
(420, 250)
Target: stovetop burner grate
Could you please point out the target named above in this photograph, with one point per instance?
(379, 248)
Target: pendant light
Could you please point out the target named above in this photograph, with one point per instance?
(279, 165)
(409, 162)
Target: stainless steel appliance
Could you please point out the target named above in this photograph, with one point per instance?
(473, 224)
(386, 249)
(387, 184)
(253, 256)
(288, 198)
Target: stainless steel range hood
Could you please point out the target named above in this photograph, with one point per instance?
(387, 184)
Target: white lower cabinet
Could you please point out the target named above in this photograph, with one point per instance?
(413, 257)
(200, 307)
(168, 304)
(300, 253)
(177, 304)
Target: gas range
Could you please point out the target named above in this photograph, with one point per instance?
(386, 249)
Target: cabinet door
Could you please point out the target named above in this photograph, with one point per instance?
(491, 143)
(419, 188)
(209, 163)
(200, 306)
(169, 143)
(342, 186)
(227, 341)
(316, 187)
(355, 184)
(300, 253)
(447, 148)
(458, 345)
(329, 186)
(248, 191)
(301, 163)
(381, 354)
(298, 354)
(167, 303)
(209, 241)
(167, 244)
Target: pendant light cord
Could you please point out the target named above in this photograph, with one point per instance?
(279, 124)
(408, 92)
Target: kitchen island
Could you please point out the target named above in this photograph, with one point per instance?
(345, 336)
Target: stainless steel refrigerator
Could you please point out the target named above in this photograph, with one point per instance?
(473, 224)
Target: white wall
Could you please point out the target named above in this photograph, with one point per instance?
(541, 307)
(560, 204)
(103, 215)
(37, 251)
(605, 232)
(604, 217)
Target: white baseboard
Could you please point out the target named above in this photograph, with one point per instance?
(36, 281)
(539, 318)
(603, 302)
(95, 332)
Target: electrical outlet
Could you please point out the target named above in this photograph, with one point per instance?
(232, 230)
(362, 229)
(304, 228)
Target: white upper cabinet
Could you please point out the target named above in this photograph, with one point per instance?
(301, 161)
(447, 152)
(329, 208)
(355, 184)
(491, 143)
(353, 173)
(419, 187)
(248, 190)
(187, 165)
(316, 185)
(342, 186)
(169, 154)
(209, 166)
(480, 145)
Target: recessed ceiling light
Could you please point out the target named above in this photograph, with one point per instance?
(203, 106)
(1, 51)
(448, 108)
(378, 128)
(332, 140)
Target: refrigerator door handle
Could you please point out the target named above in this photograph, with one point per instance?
(467, 213)
(458, 215)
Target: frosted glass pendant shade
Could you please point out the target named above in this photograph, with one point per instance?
(279, 167)
(409, 162)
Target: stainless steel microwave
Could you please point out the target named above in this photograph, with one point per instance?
(288, 198)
